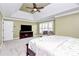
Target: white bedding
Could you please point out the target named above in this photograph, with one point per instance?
(55, 45)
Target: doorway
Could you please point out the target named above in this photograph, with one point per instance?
(8, 30)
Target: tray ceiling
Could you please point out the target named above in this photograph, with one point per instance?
(24, 5)
(16, 10)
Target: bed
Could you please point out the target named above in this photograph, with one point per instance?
(55, 46)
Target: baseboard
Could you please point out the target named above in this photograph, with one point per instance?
(15, 38)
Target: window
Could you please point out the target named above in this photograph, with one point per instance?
(46, 26)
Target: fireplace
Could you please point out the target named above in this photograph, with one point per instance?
(26, 31)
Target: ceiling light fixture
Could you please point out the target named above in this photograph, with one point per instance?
(35, 9)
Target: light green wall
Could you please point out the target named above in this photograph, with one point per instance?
(67, 25)
(17, 27)
(1, 29)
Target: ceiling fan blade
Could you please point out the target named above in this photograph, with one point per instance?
(40, 7)
(29, 7)
(38, 10)
(32, 11)
(34, 5)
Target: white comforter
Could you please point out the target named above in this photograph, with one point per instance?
(55, 45)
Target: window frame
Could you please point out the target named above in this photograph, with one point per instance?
(42, 26)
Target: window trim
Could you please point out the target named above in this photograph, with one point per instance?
(48, 27)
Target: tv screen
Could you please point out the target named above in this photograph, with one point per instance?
(26, 28)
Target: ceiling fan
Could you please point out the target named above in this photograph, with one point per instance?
(35, 8)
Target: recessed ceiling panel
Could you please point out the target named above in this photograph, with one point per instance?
(25, 5)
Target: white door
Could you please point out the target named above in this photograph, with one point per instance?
(8, 30)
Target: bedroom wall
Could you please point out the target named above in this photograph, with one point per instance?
(67, 25)
(1, 29)
(17, 27)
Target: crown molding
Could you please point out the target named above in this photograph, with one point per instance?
(18, 19)
(72, 11)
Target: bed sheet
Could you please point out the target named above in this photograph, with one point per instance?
(48, 45)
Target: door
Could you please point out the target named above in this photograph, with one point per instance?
(8, 30)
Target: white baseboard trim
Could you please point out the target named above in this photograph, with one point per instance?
(15, 38)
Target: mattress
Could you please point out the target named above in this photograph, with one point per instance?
(54, 46)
